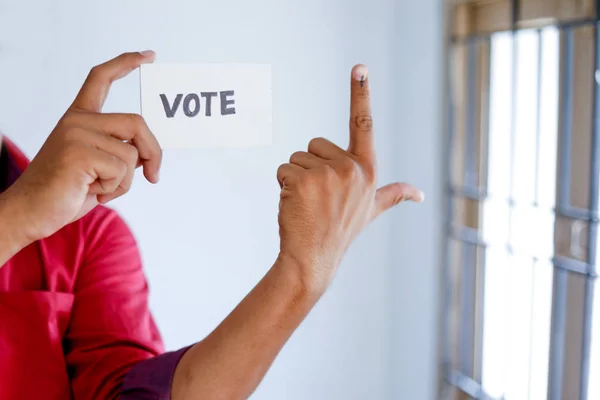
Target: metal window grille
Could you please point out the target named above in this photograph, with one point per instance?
(528, 99)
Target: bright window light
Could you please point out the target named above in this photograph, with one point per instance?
(519, 274)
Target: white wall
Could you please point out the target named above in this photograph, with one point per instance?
(417, 233)
(208, 231)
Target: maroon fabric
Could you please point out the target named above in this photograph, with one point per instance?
(152, 379)
(9, 171)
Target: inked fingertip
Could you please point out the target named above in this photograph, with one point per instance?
(360, 72)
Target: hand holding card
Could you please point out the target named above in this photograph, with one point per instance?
(208, 105)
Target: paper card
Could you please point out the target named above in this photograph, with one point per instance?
(208, 105)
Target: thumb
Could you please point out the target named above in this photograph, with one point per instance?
(395, 193)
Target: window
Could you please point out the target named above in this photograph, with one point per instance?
(522, 320)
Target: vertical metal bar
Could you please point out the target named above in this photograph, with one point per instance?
(567, 121)
(593, 229)
(471, 116)
(515, 13)
(538, 119)
(467, 283)
(513, 123)
(587, 338)
(448, 288)
(560, 276)
(558, 333)
(485, 151)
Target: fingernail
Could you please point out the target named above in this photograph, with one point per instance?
(360, 73)
(421, 197)
(147, 53)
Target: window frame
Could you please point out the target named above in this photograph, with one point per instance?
(470, 23)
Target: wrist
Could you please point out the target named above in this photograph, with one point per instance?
(13, 237)
(302, 273)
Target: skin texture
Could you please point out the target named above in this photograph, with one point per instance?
(328, 196)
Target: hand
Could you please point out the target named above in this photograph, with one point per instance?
(328, 195)
(89, 158)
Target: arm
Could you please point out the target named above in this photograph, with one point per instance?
(328, 195)
(10, 243)
(232, 360)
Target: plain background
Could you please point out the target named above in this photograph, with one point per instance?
(208, 231)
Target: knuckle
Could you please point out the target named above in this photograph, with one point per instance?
(132, 155)
(111, 185)
(121, 165)
(127, 181)
(328, 173)
(370, 177)
(362, 122)
(348, 167)
(136, 120)
(316, 143)
(297, 156)
(281, 171)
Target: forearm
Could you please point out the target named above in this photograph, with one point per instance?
(11, 239)
(233, 359)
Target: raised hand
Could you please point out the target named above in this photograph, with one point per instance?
(329, 195)
(89, 158)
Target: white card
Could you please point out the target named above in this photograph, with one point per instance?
(208, 105)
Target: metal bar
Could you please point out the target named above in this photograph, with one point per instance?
(470, 175)
(479, 194)
(577, 23)
(558, 334)
(578, 213)
(593, 229)
(467, 283)
(587, 338)
(595, 157)
(468, 386)
(515, 14)
(448, 288)
(567, 122)
(471, 236)
(467, 235)
(469, 192)
(485, 125)
(572, 265)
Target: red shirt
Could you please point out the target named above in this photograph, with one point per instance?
(74, 316)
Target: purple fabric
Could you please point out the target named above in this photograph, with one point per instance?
(152, 379)
(9, 172)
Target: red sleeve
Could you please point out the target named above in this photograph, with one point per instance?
(111, 328)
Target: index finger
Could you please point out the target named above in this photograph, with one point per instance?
(361, 122)
(95, 89)
(131, 128)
